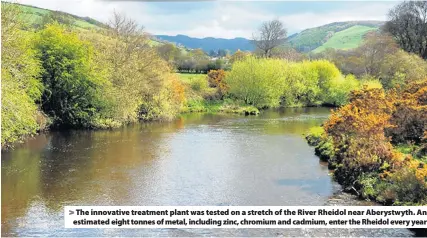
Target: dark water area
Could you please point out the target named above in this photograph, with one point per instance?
(198, 159)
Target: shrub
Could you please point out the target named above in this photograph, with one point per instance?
(199, 84)
(357, 132)
(338, 90)
(314, 135)
(409, 118)
(258, 82)
(20, 86)
(72, 89)
(216, 80)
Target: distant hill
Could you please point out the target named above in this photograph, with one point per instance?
(209, 43)
(346, 39)
(338, 35)
(34, 15)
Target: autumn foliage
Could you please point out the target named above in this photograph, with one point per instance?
(360, 137)
(216, 80)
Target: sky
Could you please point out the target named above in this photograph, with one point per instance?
(222, 19)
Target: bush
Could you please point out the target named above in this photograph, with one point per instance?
(338, 90)
(357, 132)
(216, 80)
(166, 104)
(72, 89)
(302, 85)
(309, 83)
(258, 82)
(20, 86)
(409, 118)
(199, 84)
(356, 146)
(314, 135)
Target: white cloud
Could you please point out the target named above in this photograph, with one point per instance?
(220, 19)
(298, 22)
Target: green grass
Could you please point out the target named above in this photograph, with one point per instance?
(33, 15)
(347, 39)
(188, 78)
(313, 38)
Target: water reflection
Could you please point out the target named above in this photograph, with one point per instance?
(198, 159)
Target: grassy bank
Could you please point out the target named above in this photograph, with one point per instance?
(200, 97)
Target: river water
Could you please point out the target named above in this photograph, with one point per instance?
(198, 159)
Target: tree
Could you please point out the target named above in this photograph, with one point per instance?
(72, 87)
(168, 52)
(138, 73)
(58, 17)
(20, 87)
(374, 50)
(222, 53)
(270, 35)
(238, 55)
(288, 53)
(257, 82)
(408, 24)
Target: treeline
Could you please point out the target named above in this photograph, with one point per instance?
(286, 78)
(63, 77)
(191, 61)
(379, 57)
(377, 143)
(263, 82)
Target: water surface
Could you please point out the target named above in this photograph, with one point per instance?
(198, 159)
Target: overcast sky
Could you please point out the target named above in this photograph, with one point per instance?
(225, 19)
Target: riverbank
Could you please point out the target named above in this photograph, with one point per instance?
(363, 185)
(374, 151)
(376, 145)
(348, 195)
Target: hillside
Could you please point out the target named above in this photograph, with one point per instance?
(347, 39)
(337, 35)
(34, 16)
(209, 43)
(350, 36)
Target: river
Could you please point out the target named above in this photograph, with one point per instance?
(197, 159)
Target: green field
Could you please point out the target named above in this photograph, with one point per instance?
(34, 15)
(188, 78)
(312, 38)
(347, 39)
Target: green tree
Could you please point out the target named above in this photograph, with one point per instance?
(72, 88)
(257, 82)
(408, 24)
(20, 86)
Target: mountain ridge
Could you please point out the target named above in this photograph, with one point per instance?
(313, 39)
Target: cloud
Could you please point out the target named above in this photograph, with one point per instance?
(220, 18)
(373, 11)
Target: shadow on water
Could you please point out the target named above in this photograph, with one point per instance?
(197, 159)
